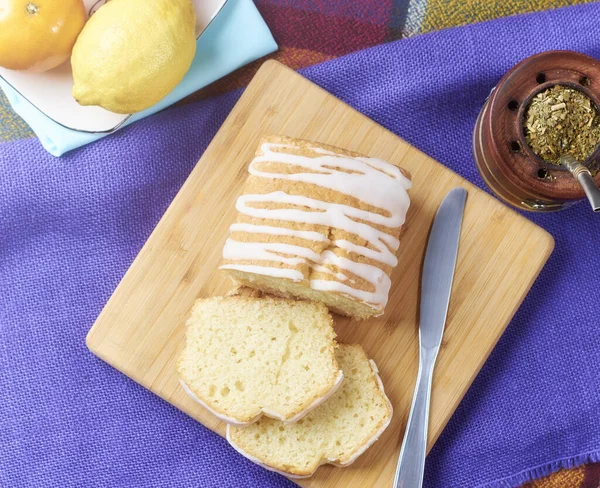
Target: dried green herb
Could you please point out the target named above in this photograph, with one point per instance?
(559, 121)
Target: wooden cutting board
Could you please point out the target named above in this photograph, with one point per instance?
(141, 329)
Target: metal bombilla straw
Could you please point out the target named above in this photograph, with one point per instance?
(584, 177)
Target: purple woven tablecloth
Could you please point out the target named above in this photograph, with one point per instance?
(70, 227)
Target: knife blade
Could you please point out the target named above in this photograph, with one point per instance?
(436, 286)
(438, 267)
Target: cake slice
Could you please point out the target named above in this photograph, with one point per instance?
(319, 223)
(336, 432)
(245, 357)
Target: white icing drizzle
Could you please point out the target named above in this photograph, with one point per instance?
(278, 231)
(372, 181)
(383, 254)
(271, 251)
(268, 251)
(379, 189)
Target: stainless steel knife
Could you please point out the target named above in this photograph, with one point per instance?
(436, 285)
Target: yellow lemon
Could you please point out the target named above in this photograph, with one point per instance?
(132, 53)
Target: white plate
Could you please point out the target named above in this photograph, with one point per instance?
(50, 92)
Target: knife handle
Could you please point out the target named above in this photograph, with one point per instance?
(411, 463)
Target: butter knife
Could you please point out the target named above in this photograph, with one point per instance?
(436, 285)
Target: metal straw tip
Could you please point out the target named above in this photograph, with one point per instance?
(568, 161)
(585, 179)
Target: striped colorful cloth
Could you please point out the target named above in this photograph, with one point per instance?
(311, 31)
(582, 477)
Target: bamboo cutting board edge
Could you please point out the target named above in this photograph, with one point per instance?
(145, 363)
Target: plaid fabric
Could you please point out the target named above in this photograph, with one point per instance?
(310, 32)
(581, 477)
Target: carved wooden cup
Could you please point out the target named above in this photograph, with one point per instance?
(506, 163)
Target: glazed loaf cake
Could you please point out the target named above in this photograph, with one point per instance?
(337, 432)
(319, 223)
(245, 357)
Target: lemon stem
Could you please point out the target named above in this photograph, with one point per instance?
(32, 8)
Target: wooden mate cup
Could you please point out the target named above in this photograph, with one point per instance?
(504, 159)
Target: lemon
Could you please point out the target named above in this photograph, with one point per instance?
(38, 35)
(132, 53)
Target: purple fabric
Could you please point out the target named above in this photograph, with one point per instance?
(70, 227)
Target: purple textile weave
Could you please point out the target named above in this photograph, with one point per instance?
(70, 227)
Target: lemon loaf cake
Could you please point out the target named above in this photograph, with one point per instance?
(245, 357)
(318, 223)
(336, 432)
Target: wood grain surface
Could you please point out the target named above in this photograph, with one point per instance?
(141, 329)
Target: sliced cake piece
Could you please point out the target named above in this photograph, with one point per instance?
(319, 223)
(245, 357)
(336, 432)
